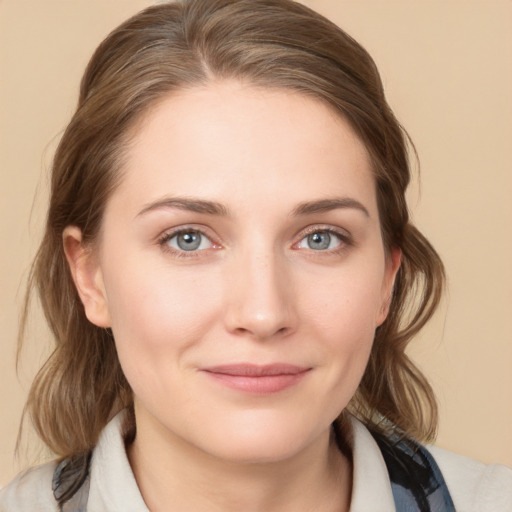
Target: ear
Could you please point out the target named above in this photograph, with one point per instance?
(87, 276)
(393, 261)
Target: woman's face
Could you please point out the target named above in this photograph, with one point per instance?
(241, 267)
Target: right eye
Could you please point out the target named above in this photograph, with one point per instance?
(189, 240)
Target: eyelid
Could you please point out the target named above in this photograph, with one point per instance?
(344, 236)
(326, 228)
(170, 233)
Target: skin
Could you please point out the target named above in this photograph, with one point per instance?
(256, 290)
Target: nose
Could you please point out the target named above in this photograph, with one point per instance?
(260, 297)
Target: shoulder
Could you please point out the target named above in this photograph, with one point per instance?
(30, 490)
(475, 487)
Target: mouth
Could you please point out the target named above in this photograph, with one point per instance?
(256, 379)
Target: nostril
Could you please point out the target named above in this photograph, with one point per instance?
(262, 332)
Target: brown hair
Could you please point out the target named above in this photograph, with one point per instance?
(268, 43)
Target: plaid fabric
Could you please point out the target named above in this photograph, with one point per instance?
(416, 480)
(70, 483)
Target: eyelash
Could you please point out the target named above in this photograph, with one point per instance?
(166, 237)
(344, 238)
(345, 241)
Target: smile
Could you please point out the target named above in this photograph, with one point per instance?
(259, 380)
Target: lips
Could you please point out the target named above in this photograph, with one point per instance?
(256, 379)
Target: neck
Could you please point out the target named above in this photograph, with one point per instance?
(173, 475)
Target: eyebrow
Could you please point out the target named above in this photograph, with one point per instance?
(188, 204)
(215, 208)
(326, 205)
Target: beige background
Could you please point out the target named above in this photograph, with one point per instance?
(447, 67)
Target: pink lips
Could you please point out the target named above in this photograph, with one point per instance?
(255, 379)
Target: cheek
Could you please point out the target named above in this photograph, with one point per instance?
(340, 324)
(156, 311)
(346, 307)
(343, 316)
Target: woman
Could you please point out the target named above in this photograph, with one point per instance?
(232, 279)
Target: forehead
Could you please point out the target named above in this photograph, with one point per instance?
(228, 140)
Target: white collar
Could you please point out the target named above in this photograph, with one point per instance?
(371, 487)
(113, 486)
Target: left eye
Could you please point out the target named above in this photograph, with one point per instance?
(320, 241)
(189, 241)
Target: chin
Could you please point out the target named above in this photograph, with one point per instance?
(259, 442)
(259, 451)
